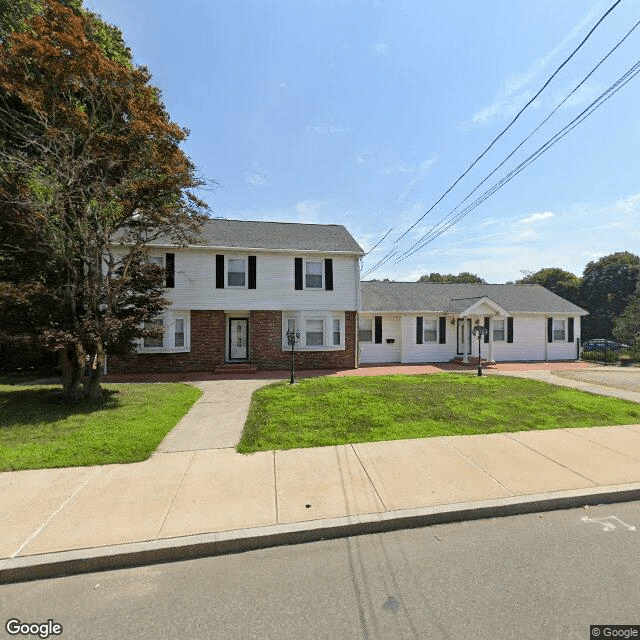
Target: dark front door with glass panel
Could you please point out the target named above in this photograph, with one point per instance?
(238, 338)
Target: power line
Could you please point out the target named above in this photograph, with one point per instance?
(593, 106)
(593, 70)
(544, 86)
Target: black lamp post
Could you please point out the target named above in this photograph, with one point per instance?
(480, 332)
(293, 337)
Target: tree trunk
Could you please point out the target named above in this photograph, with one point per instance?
(93, 387)
(71, 374)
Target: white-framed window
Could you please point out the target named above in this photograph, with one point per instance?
(498, 330)
(313, 274)
(236, 272)
(430, 329)
(365, 329)
(559, 329)
(153, 343)
(176, 333)
(314, 332)
(336, 333)
(319, 330)
(159, 260)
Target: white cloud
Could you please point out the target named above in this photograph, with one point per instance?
(256, 178)
(514, 93)
(360, 159)
(420, 174)
(310, 211)
(381, 48)
(396, 170)
(536, 217)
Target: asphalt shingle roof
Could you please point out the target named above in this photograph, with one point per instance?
(455, 297)
(293, 236)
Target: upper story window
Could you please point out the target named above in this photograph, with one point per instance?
(498, 330)
(313, 274)
(236, 272)
(559, 329)
(168, 263)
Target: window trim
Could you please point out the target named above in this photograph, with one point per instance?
(504, 330)
(370, 321)
(300, 319)
(226, 272)
(306, 261)
(562, 331)
(168, 319)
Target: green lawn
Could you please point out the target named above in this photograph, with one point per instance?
(330, 410)
(39, 432)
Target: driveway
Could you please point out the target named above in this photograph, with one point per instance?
(615, 377)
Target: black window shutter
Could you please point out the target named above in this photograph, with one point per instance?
(443, 330)
(328, 274)
(170, 268)
(509, 329)
(486, 326)
(219, 272)
(570, 330)
(298, 273)
(419, 333)
(252, 272)
(378, 329)
(549, 329)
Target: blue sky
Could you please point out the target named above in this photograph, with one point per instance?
(363, 113)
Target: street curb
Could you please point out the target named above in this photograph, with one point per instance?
(64, 563)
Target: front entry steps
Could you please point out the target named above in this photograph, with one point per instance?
(236, 367)
(473, 361)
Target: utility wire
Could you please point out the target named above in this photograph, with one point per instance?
(544, 86)
(377, 243)
(593, 70)
(631, 73)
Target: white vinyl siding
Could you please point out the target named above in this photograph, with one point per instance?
(390, 349)
(195, 276)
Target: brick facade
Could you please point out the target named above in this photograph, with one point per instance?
(265, 347)
(207, 350)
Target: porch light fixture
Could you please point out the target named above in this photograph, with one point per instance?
(293, 337)
(480, 332)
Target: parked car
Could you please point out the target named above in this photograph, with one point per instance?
(602, 344)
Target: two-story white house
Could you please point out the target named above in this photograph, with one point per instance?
(236, 293)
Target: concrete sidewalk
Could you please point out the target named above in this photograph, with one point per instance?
(196, 496)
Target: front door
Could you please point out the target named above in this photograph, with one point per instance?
(463, 337)
(238, 343)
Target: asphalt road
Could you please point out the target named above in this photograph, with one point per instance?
(536, 576)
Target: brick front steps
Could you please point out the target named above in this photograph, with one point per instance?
(240, 367)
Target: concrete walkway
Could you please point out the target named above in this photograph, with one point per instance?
(196, 496)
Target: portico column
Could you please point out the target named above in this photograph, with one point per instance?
(490, 339)
(467, 340)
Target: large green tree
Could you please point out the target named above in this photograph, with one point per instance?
(464, 276)
(607, 287)
(561, 282)
(626, 327)
(91, 173)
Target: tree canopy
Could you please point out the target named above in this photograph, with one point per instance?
(91, 174)
(465, 276)
(561, 282)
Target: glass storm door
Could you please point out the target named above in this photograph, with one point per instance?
(238, 344)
